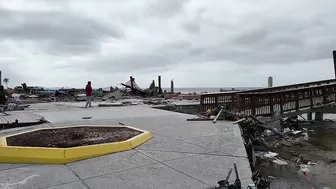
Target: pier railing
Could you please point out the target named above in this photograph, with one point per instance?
(285, 101)
(293, 86)
(280, 99)
(213, 100)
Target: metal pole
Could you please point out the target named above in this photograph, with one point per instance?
(334, 57)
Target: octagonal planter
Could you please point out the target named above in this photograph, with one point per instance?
(68, 144)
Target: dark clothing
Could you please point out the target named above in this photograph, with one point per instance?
(88, 90)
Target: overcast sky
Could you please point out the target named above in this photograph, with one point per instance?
(198, 43)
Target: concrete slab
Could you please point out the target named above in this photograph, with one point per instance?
(110, 164)
(172, 150)
(152, 176)
(61, 124)
(162, 156)
(74, 185)
(37, 176)
(211, 168)
(174, 125)
(158, 138)
(181, 154)
(224, 143)
(102, 113)
(166, 125)
(22, 129)
(5, 166)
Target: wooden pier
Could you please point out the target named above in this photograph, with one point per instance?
(276, 101)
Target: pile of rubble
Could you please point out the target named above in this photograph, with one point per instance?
(264, 142)
(275, 145)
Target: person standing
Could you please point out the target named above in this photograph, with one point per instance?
(88, 92)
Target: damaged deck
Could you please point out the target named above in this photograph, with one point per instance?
(13, 119)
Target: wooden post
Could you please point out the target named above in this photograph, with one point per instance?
(281, 103)
(297, 105)
(311, 97)
(324, 94)
(216, 101)
(253, 104)
(202, 103)
(233, 101)
(271, 104)
(239, 103)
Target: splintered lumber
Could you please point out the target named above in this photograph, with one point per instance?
(240, 120)
(266, 126)
(219, 113)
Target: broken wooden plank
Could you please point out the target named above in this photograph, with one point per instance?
(240, 120)
(266, 126)
(219, 113)
(200, 119)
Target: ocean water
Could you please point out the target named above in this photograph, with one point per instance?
(186, 90)
(208, 90)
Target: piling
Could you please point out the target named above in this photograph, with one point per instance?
(0, 78)
(159, 83)
(172, 86)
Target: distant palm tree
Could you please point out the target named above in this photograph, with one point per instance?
(6, 81)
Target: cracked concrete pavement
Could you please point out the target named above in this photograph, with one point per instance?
(181, 154)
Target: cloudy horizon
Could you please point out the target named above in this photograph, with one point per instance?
(236, 43)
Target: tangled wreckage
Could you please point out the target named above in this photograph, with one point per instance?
(264, 142)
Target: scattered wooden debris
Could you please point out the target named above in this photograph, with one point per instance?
(219, 113)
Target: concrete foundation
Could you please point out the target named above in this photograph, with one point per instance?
(318, 116)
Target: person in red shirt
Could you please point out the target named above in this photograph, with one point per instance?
(88, 92)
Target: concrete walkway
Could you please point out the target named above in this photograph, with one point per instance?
(181, 154)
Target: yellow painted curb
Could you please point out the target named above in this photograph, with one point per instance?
(18, 154)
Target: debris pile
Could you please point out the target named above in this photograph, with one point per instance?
(274, 145)
(219, 113)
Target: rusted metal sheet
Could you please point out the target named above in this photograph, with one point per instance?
(18, 119)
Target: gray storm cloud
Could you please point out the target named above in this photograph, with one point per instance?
(128, 36)
(56, 32)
